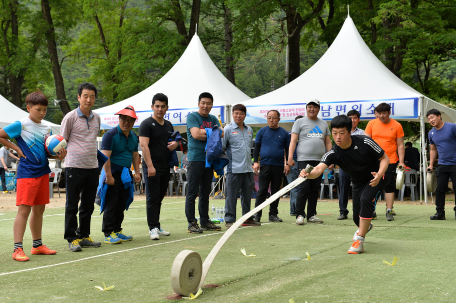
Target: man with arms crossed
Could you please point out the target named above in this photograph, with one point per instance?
(270, 144)
(154, 133)
(365, 162)
(344, 179)
(314, 140)
(442, 138)
(80, 129)
(238, 143)
(199, 176)
(388, 133)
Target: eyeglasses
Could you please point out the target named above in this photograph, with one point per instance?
(128, 120)
(273, 118)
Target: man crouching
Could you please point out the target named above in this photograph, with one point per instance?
(365, 162)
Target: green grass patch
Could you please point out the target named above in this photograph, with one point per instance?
(140, 269)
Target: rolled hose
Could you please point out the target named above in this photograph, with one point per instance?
(431, 181)
(400, 177)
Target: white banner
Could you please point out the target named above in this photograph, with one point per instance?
(176, 116)
(400, 109)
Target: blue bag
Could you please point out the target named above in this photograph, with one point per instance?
(173, 160)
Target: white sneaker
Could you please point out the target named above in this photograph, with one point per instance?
(300, 220)
(162, 232)
(314, 219)
(154, 234)
(357, 246)
(356, 232)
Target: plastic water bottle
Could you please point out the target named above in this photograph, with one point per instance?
(217, 213)
(213, 211)
(223, 215)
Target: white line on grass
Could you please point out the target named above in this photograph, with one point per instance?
(114, 252)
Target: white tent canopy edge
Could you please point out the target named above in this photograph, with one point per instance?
(348, 76)
(11, 113)
(192, 74)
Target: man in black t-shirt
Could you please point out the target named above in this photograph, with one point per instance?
(366, 163)
(154, 133)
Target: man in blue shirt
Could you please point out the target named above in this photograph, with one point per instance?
(238, 143)
(199, 176)
(442, 139)
(120, 145)
(271, 143)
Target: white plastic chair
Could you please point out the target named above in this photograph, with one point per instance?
(171, 183)
(411, 178)
(181, 183)
(57, 173)
(325, 181)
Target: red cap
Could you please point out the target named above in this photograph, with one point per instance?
(128, 111)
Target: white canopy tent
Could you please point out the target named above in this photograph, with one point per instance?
(11, 113)
(192, 74)
(348, 76)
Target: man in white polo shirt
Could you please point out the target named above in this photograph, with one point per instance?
(80, 129)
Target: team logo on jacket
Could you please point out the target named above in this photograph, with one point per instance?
(315, 133)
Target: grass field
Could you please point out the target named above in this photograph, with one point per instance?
(140, 270)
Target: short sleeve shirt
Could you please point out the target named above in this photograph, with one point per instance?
(238, 144)
(30, 137)
(121, 147)
(444, 140)
(386, 134)
(3, 154)
(158, 141)
(359, 160)
(273, 143)
(312, 137)
(81, 134)
(197, 148)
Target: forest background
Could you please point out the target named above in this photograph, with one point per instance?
(124, 46)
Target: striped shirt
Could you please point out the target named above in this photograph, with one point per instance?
(81, 134)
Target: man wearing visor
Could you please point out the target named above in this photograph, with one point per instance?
(120, 145)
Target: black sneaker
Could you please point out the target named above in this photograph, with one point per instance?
(342, 217)
(274, 218)
(211, 226)
(88, 242)
(438, 216)
(194, 228)
(257, 218)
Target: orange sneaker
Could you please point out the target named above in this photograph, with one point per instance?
(357, 247)
(19, 255)
(43, 250)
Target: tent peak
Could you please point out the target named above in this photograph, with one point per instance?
(348, 10)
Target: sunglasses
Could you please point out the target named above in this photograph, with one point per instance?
(127, 119)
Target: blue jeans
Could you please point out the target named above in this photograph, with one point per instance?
(293, 175)
(344, 186)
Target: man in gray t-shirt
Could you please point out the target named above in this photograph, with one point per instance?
(314, 140)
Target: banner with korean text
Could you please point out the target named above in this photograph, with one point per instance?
(406, 108)
(177, 116)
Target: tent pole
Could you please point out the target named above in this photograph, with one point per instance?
(421, 172)
(423, 149)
